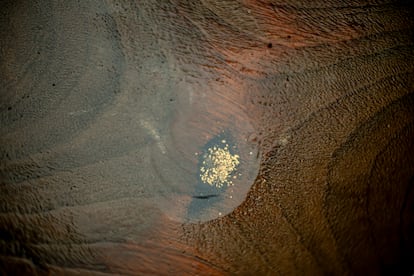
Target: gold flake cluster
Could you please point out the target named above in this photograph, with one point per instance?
(218, 166)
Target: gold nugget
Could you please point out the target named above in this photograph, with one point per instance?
(218, 165)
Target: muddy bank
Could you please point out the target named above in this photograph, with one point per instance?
(211, 138)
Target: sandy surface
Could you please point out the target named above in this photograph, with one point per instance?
(108, 108)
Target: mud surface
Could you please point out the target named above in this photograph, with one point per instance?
(108, 110)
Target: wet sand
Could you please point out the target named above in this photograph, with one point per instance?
(108, 108)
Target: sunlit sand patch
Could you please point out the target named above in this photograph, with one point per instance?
(225, 173)
(218, 166)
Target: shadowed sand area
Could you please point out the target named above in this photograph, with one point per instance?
(206, 137)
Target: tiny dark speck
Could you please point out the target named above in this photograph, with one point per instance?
(289, 37)
(9, 108)
(53, 84)
(269, 45)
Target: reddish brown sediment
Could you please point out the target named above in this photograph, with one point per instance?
(105, 108)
